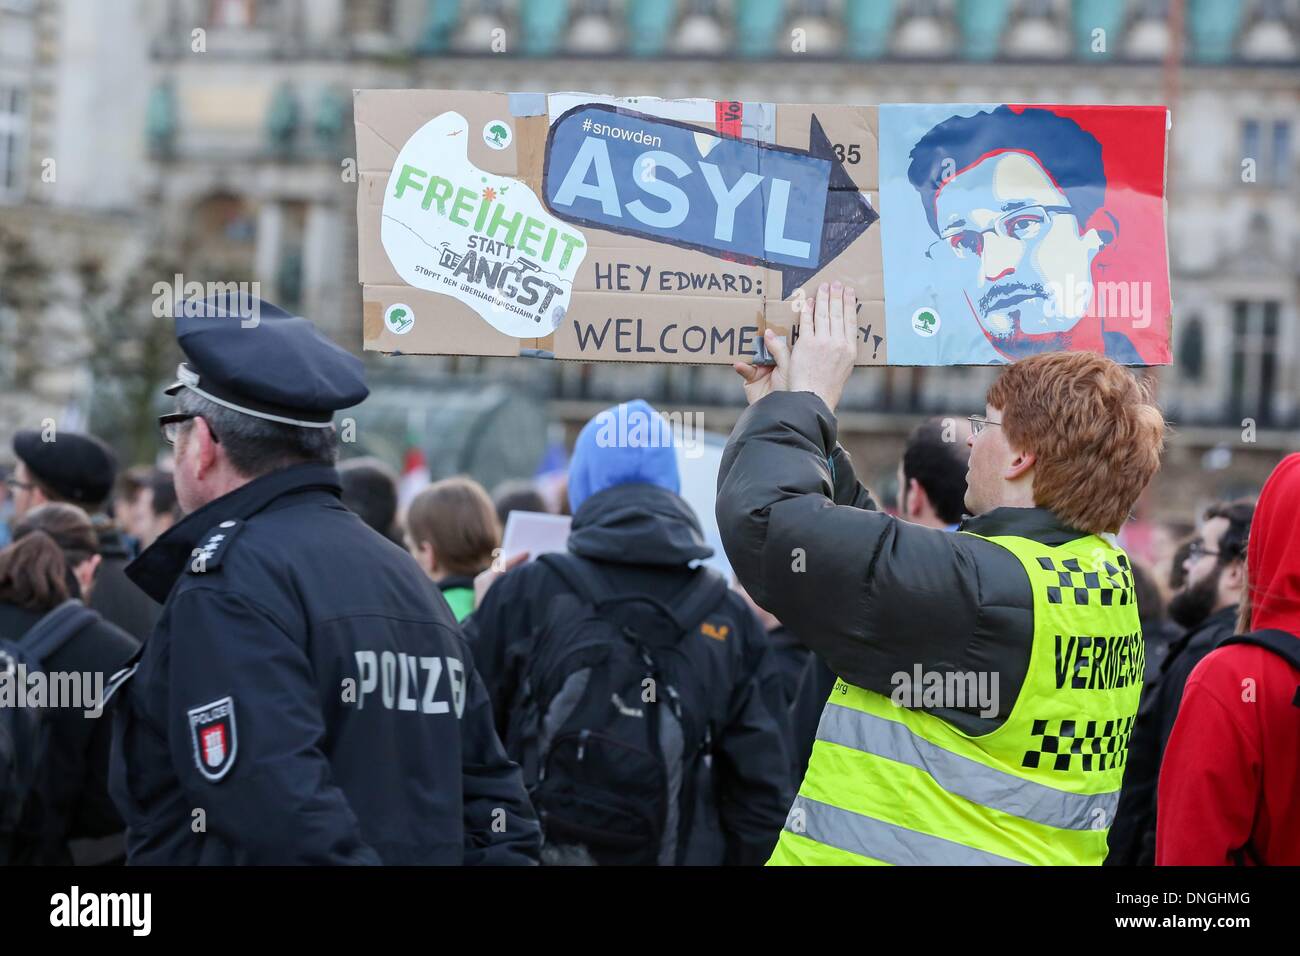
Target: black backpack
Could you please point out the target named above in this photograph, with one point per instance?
(1284, 645)
(24, 731)
(609, 749)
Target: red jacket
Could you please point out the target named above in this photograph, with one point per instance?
(1231, 773)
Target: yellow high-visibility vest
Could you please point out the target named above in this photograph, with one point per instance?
(891, 785)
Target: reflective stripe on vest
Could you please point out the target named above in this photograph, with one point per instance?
(895, 785)
(854, 833)
(963, 776)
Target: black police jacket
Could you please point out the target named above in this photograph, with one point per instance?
(306, 698)
(643, 538)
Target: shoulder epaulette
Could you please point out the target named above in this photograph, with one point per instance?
(208, 555)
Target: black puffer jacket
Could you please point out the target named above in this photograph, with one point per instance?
(643, 538)
(870, 594)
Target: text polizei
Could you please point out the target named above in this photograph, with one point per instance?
(398, 677)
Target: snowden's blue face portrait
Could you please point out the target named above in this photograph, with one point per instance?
(1008, 235)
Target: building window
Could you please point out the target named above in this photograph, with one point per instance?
(1191, 349)
(13, 127)
(287, 280)
(1281, 153)
(1250, 140)
(1269, 145)
(1254, 360)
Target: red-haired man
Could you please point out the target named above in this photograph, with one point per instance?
(988, 679)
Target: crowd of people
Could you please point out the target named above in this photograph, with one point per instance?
(293, 668)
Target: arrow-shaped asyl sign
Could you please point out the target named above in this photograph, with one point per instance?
(630, 173)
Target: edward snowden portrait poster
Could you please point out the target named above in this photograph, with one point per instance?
(1011, 230)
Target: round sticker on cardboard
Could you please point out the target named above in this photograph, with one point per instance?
(925, 322)
(399, 319)
(497, 134)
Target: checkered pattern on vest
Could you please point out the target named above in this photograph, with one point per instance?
(1077, 586)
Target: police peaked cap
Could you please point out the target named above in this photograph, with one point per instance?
(255, 358)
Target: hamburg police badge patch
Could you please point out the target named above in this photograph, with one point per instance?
(212, 732)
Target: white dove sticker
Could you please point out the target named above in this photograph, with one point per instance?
(484, 239)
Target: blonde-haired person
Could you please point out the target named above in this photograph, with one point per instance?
(45, 575)
(988, 679)
(452, 529)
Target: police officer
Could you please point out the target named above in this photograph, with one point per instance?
(305, 698)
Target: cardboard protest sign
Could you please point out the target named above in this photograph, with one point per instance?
(580, 226)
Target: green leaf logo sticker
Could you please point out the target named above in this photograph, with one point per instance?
(497, 134)
(399, 319)
(925, 322)
(455, 229)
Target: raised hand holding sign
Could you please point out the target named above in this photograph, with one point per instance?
(821, 358)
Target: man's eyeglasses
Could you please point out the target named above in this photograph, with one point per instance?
(1027, 222)
(13, 484)
(170, 426)
(978, 423)
(1198, 549)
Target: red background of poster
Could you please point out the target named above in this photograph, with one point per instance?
(1133, 155)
